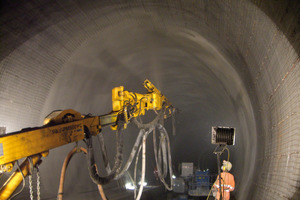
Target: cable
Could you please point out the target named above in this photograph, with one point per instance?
(96, 178)
(150, 124)
(133, 151)
(104, 152)
(163, 158)
(169, 156)
(128, 163)
(64, 169)
(23, 182)
(143, 168)
(139, 114)
(166, 157)
(228, 153)
(163, 133)
(135, 167)
(210, 190)
(132, 154)
(101, 191)
(223, 180)
(63, 172)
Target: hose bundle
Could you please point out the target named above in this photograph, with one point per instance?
(96, 178)
(162, 158)
(162, 154)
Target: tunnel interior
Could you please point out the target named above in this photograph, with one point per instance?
(221, 63)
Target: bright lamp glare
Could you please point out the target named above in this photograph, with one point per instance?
(145, 183)
(129, 186)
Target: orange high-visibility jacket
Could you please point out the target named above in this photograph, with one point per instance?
(227, 185)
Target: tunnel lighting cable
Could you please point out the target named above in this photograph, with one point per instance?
(23, 182)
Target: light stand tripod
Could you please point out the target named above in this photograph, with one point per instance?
(219, 151)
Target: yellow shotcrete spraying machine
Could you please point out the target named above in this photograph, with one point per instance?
(68, 126)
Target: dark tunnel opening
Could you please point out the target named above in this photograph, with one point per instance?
(221, 63)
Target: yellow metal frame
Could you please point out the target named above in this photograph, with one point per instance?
(23, 144)
(153, 100)
(16, 178)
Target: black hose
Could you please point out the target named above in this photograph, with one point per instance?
(96, 178)
(133, 152)
(104, 153)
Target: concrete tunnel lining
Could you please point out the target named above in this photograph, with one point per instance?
(175, 43)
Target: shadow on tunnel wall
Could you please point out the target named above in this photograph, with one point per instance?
(281, 12)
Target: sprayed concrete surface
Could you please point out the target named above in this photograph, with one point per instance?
(227, 63)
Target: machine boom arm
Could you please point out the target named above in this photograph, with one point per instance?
(64, 127)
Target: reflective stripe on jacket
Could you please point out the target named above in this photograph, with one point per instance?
(227, 185)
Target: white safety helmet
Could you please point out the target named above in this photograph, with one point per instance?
(226, 166)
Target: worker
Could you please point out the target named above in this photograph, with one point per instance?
(227, 182)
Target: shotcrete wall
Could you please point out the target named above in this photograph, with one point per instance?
(232, 63)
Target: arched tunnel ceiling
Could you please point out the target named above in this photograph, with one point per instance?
(220, 63)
